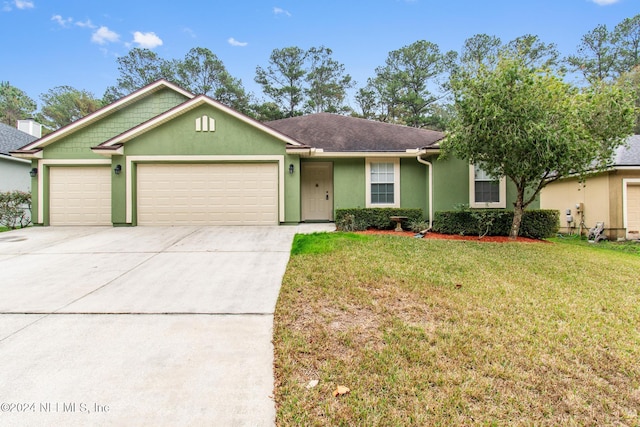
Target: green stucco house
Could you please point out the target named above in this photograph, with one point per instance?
(163, 156)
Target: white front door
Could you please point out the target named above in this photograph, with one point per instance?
(317, 191)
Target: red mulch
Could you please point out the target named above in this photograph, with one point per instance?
(430, 235)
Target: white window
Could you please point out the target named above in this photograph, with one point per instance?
(383, 182)
(486, 191)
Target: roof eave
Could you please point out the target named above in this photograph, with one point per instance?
(14, 158)
(359, 154)
(28, 154)
(113, 150)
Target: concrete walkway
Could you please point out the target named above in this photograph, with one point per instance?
(140, 326)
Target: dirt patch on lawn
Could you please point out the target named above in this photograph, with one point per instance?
(430, 235)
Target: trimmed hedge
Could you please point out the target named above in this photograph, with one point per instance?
(536, 224)
(15, 209)
(363, 218)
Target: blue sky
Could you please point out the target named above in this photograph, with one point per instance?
(49, 43)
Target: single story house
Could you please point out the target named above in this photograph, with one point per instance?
(611, 196)
(14, 171)
(163, 156)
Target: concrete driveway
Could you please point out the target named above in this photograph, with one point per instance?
(140, 326)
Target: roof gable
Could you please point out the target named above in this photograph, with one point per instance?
(102, 113)
(116, 142)
(336, 133)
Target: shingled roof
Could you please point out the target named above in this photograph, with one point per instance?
(12, 139)
(333, 132)
(628, 154)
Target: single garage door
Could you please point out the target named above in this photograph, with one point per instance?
(633, 211)
(80, 195)
(208, 194)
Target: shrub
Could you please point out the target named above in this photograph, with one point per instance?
(379, 218)
(536, 224)
(418, 226)
(349, 223)
(15, 209)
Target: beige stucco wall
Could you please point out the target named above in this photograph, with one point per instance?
(615, 192)
(593, 194)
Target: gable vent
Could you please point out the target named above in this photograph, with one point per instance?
(205, 124)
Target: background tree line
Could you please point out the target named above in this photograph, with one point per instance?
(412, 87)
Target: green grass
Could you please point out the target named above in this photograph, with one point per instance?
(318, 243)
(630, 247)
(430, 332)
(3, 229)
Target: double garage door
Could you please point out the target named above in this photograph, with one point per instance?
(208, 194)
(171, 194)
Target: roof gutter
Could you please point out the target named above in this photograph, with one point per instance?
(424, 162)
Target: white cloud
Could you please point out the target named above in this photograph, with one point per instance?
(7, 6)
(61, 21)
(146, 40)
(280, 11)
(104, 35)
(605, 2)
(24, 4)
(234, 42)
(190, 32)
(85, 24)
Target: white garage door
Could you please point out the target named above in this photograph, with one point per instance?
(633, 211)
(80, 196)
(208, 194)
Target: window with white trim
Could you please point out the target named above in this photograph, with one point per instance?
(383, 182)
(486, 191)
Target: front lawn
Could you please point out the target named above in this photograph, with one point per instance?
(430, 332)
(627, 246)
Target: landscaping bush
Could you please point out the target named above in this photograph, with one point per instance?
(536, 224)
(15, 209)
(363, 218)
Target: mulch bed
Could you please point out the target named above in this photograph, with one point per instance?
(430, 235)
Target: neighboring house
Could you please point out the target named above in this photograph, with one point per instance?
(14, 172)
(163, 156)
(612, 196)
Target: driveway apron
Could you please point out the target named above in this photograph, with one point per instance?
(140, 326)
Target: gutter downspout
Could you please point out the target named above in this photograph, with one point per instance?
(424, 162)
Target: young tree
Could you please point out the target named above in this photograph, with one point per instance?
(15, 104)
(480, 50)
(139, 68)
(407, 81)
(630, 81)
(65, 104)
(202, 72)
(327, 82)
(596, 55)
(366, 99)
(533, 128)
(299, 81)
(534, 52)
(283, 79)
(626, 37)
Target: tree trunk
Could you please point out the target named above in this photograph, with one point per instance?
(518, 209)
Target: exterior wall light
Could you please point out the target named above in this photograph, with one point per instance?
(33, 172)
(291, 169)
(117, 170)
